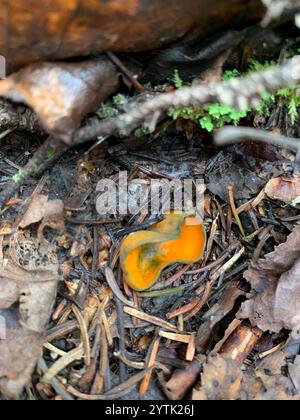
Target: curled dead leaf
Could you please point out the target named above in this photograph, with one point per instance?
(50, 213)
(278, 306)
(285, 189)
(275, 303)
(35, 212)
(267, 271)
(62, 93)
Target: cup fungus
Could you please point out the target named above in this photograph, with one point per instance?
(144, 255)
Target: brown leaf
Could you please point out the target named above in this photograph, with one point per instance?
(19, 350)
(277, 306)
(35, 212)
(274, 362)
(29, 276)
(221, 380)
(28, 283)
(216, 314)
(50, 213)
(294, 373)
(285, 189)
(261, 151)
(236, 173)
(276, 383)
(267, 271)
(62, 93)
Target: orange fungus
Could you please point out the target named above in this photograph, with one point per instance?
(178, 238)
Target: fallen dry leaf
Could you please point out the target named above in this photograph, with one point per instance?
(215, 314)
(274, 362)
(62, 93)
(223, 379)
(19, 351)
(267, 271)
(35, 212)
(276, 301)
(28, 283)
(285, 189)
(277, 384)
(236, 173)
(50, 213)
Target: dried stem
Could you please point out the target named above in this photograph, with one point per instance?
(232, 135)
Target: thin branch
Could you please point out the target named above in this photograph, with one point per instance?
(240, 93)
(232, 135)
(47, 153)
(135, 83)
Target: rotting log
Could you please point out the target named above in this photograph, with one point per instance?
(35, 30)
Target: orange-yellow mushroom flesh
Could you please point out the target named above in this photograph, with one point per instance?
(145, 254)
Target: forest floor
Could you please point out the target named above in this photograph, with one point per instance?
(225, 327)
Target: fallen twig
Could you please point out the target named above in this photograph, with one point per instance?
(57, 386)
(62, 363)
(116, 393)
(84, 334)
(232, 135)
(49, 151)
(240, 93)
(234, 210)
(152, 359)
(135, 83)
(111, 280)
(149, 318)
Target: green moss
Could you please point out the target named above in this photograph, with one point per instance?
(288, 98)
(17, 178)
(49, 153)
(120, 100)
(213, 116)
(178, 82)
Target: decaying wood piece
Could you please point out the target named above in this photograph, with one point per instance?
(54, 29)
(241, 343)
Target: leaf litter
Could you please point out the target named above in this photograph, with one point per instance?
(29, 278)
(222, 328)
